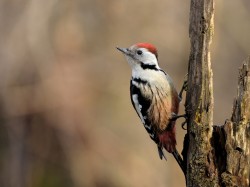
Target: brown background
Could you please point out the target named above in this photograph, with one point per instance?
(65, 112)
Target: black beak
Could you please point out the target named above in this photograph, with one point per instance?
(123, 50)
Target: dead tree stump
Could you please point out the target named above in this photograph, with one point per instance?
(213, 155)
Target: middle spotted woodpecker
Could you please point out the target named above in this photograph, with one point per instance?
(154, 97)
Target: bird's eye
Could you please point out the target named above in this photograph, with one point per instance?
(139, 52)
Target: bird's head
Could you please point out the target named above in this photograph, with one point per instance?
(142, 55)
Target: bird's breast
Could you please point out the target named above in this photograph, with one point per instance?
(159, 90)
(161, 108)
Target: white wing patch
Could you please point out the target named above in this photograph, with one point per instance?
(151, 135)
(138, 107)
(135, 83)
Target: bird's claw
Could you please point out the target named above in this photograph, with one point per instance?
(184, 87)
(175, 117)
(183, 125)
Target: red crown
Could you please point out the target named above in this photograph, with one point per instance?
(150, 48)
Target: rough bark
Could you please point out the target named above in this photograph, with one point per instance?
(219, 155)
(199, 100)
(232, 140)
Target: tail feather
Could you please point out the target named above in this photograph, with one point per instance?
(177, 157)
(161, 153)
(179, 160)
(167, 140)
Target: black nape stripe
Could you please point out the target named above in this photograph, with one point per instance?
(149, 66)
(138, 80)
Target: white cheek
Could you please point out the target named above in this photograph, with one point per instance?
(149, 58)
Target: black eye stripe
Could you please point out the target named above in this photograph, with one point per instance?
(139, 52)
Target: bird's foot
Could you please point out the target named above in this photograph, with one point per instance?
(175, 117)
(184, 87)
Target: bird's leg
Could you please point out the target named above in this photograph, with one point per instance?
(183, 124)
(183, 88)
(175, 117)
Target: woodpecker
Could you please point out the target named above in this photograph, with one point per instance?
(154, 97)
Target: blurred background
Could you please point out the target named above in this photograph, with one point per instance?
(65, 114)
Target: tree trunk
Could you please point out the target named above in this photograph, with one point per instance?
(214, 155)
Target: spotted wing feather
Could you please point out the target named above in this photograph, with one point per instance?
(141, 105)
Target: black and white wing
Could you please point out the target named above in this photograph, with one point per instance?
(141, 105)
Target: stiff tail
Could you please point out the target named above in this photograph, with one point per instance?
(168, 141)
(179, 160)
(177, 157)
(161, 153)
